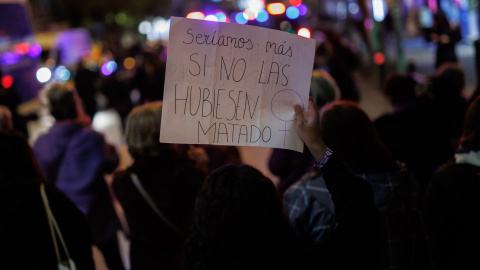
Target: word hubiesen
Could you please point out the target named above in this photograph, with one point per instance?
(237, 106)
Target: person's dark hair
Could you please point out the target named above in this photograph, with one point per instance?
(440, 19)
(61, 102)
(471, 127)
(239, 223)
(142, 131)
(399, 88)
(448, 82)
(16, 159)
(348, 131)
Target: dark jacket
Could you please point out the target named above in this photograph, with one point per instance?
(26, 241)
(310, 208)
(452, 207)
(173, 185)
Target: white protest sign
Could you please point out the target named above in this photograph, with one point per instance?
(231, 84)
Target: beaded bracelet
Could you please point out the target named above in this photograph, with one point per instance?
(323, 160)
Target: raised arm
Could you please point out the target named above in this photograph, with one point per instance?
(355, 243)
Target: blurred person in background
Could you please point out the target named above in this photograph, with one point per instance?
(308, 204)
(340, 62)
(412, 132)
(150, 77)
(10, 98)
(75, 158)
(452, 201)
(448, 104)
(25, 236)
(85, 84)
(5, 118)
(446, 34)
(170, 183)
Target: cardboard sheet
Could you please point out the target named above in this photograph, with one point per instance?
(231, 84)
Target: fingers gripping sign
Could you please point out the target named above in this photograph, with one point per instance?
(308, 128)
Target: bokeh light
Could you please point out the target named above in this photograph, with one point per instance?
(7, 81)
(353, 8)
(368, 23)
(221, 16)
(251, 13)
(276, 8)
(379, 58)
(304, 32)
(62, 73)
(44, 74)
(21, 48)
(129, 63)
(251, 4)
(292, 13)
(144, 27)
(341, 11)
(378, 10)
(285, 25)
(109, 67)
(35, 50)
(302, 9)
(10, 58)
(196, 15)
(241, 18)
(262, 16)
(211, 18)
(160, 25)
(121, 18)
(295, 3)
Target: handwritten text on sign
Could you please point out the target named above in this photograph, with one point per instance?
(232, 84)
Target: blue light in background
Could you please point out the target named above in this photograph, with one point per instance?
(221, 16)
(240, 18)
(292, 12)
(262, 16)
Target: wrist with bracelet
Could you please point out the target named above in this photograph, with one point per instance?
(323, 160)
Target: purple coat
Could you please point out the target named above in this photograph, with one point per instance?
(75, 158)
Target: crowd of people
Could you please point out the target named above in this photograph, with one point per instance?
(396, 192)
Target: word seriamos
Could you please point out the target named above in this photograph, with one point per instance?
(220, 40)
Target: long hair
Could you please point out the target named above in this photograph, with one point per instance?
(471, 127)
(142, 132)
(17, 161)
(239, 223)
(348, 131)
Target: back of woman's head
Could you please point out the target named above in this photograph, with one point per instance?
(399, 88)
(238, 221)
(61, 101)
(17, 161)
(470, 139)
(324, 89)
(142, 132)
(348, 131)
(448, 82)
